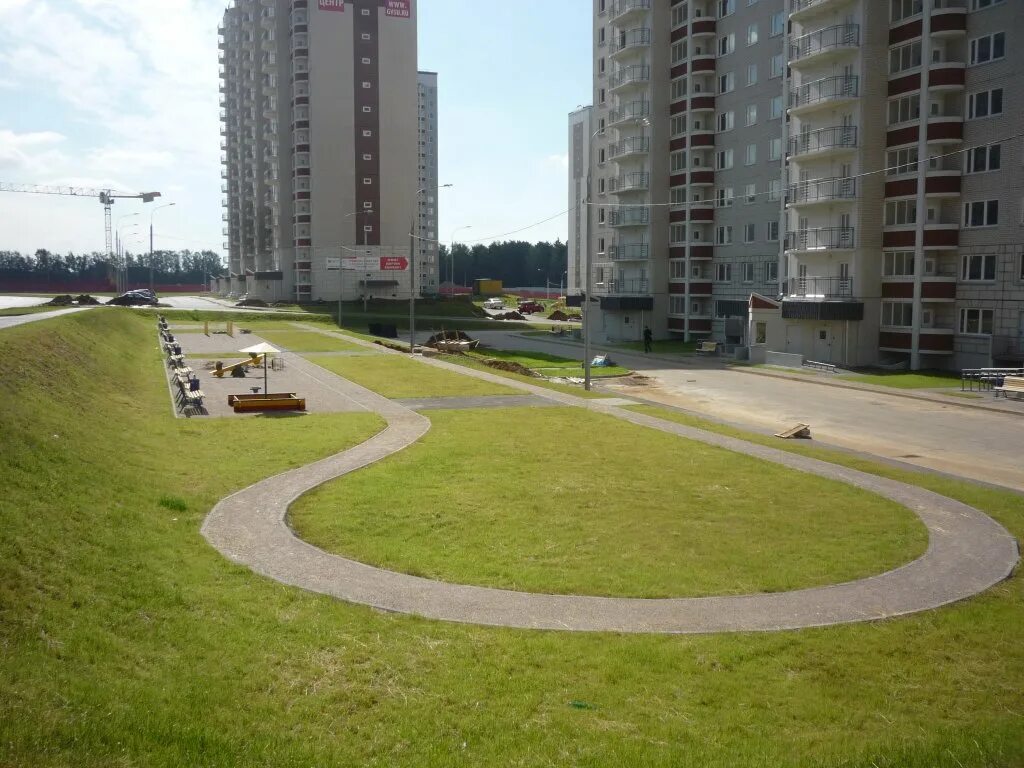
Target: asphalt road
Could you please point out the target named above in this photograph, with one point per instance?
(11, 302)
(15, 320)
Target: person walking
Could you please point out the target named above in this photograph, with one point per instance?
(648, 338)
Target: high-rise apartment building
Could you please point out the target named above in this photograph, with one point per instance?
(581, 131)
(319, 127)
(427, 244)
(844, 167)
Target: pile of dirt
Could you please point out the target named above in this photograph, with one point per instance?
(132, 300)
(86, 300)
(60, 301)
(505, 365)
(448, 336)
(558, 315)
(508, 316)
(395, 347)
(252, 303)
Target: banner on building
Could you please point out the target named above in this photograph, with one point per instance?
(398, 8)
(332, 5)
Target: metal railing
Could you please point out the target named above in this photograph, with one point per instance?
(630, 39)
(631, 287)
(621, 7)
(986, 378)
(629, 252)
(820, 239)
(631, 111)
(634, 73)
(638, 180)
(629, 217)
(825, 89)
(630, 146)
(830, 38)
(838, 188)
(835, 137)
(821, 287)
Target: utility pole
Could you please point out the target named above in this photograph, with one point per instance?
(412, 285)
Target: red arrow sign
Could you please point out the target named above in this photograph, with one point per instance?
(393, 263)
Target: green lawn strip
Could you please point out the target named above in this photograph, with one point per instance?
(307, 341)
(240, 317)
(906, 380)
(596, 372)
(397, 377)
(569, 389)
(128, 640)
(720, 523)
(547, 364)
(775, 369)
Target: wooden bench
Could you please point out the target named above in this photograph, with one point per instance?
(1012, 385)
(188, 396)
(708, 347)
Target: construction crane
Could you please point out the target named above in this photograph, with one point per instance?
(105, 196)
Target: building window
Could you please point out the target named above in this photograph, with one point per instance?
(678, 89)
(748, 272)
(367, 133)
(723, 160)
(760, 333)
(777, 66)
(679, 52)
(677, 195)
(677, 233)
(900, 212)
(901, 161)
(988, 48)
(778, 24)
(723, 236)
(904, 109)
(773, 231)
(677, 305)
(752, 34)
(751, 74)
(677, 269)
(978, 266)
(365, 36)
(724, 198)
(367, 84)
(977, 5)
(750, 154)
(678, 15)
(775, 108)
(898, 264)
(749, 234)
(677, 125)
(726, 7)
(775, 189)
(750, 193)
(726, 82)
(905, 57)
(771, 271)
(775, 149)
(982, 159)
(903, 9)
(982, 213)
(726, 44)
(723, 273)
(985, 104)
(977, 322)
(677, 161)
(751, 118)
(726, 120)
(897, 314)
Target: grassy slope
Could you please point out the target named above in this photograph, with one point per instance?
(479, 500)
(547, 364)
(128, 641)
(396, 377)
(469, 362)
(903, 380)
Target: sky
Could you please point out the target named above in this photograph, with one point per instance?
(123, 94)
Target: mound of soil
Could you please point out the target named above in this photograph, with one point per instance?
(131, 301)
(252, 303)
(60, 301)
(395, 347)
(86, 300)
(508, 316)
(558, 315)
(505, 365)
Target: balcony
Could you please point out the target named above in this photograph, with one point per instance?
(634, 111)
(821, 239)
(824, 44)
(631, 147)
(629, 287)
(826, 92)
(820, 287)
(624, 10)
(632, 39)
(629, 252)
(639, 216)
(805, 9)
(634, 74)
(822, 191)
(637, 181)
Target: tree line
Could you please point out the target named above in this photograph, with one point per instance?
(515, 262)
(169, 267)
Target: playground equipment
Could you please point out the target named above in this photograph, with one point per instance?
(229, 328)
(254, 361)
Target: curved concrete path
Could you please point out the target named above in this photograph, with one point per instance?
(968, 552)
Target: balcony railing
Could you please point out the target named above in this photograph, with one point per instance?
(632, 38)
(622, 7)
(821, 287)
(836, 137)
(823, 238)
(830, 38)
(631, 287)
(629, 217)
(821, 190)
(635, 110)
(630, 146)
(638, 180)
(825, 89)
(629, 252)
(635, 73)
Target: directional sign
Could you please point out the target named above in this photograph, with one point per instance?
(393, 263)
(333, 262)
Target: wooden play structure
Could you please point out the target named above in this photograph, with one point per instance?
(229, 328)
(255, 361)
(274, 401)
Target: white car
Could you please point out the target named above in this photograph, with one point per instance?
(494, 303)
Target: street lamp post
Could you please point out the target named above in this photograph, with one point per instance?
(121, 274)
(412, 270)
(151, 214)
(452, 241)
(341, 270)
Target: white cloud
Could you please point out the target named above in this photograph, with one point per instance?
(559, 161)
(24, 154)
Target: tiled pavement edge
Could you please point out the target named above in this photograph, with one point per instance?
(968, 552)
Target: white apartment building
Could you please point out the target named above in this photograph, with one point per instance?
(428, 276)
(319, 138)
(581, 131)
(810, 157)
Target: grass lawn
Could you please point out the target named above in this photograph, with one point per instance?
(546, 364)
(908, 380)
(19, 311)
(569, 389)
(306, 341)
(127, 640)
(396, 377)
(240, 318)
(718, 523)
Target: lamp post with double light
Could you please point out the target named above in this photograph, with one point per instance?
(412, 269)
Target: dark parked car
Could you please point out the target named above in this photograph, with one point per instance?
(530, 307)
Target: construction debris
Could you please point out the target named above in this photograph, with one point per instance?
(508, 316)
(64, 300)
(511, 367)
(559, 316)
(86, 300)
(799, 432)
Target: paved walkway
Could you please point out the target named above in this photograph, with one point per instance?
(968, 552)
(16, 320)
